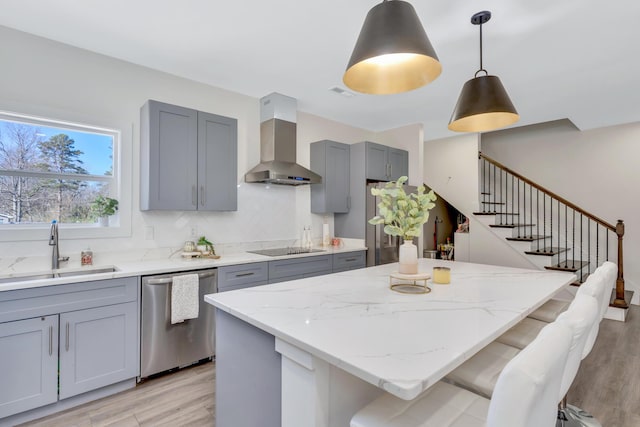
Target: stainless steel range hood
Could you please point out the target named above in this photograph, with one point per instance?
(278, 145)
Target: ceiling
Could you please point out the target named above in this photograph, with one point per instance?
(574, 59)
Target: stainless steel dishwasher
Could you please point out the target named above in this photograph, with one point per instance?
(165, 346)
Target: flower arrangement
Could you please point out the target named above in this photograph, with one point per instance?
(402, 215)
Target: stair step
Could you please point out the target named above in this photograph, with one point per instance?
(547, 251)
(531, 238)
(570, 265)
(627, 298)
(496, 213)
(510, 225)
(493, 203)
(485, 194)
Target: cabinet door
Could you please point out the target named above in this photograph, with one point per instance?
(98, 347)
(398, 163)
(377, 163)
(217, 163)
(296, 268)
(349, 261)
(330, 160)
(169, 144)
(28, 364)
(242, 276)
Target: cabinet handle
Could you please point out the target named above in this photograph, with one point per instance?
(66, 341)
(50, 340)
(202, 195)
(193, 195)
(390, 170)
(244, 274)
(350, 259)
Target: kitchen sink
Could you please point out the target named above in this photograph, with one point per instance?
(58, 273)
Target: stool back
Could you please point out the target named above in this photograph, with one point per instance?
(526, 391)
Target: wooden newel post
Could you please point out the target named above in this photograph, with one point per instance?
(619, 300)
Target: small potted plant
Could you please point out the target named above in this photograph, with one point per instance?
(206, 247)
(103, 207)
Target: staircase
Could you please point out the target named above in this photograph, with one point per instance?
(552, 232)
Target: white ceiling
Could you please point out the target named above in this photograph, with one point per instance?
(575, 59)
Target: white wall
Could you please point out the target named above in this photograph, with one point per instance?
(595, 169)
(49, 79)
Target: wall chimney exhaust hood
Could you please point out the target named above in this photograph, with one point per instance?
(278, 145)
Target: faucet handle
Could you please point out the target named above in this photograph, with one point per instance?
(63, 259)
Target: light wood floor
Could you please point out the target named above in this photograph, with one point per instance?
(608, 386)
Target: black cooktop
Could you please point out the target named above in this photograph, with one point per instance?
(285, 251)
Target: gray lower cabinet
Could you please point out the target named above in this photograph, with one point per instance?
(330, 160)
(298, 268)
(349, 261)
(28, 364)
(97, 348)
(64, 340)
(241, 276)
(188, 159)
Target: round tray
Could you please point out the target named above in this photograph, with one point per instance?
(408, 283)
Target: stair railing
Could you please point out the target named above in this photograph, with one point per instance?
(512, 197)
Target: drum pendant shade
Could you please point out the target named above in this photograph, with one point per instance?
(393, 53)
(483, 104)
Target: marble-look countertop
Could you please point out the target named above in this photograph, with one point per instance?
(401, 343)
(143, 267)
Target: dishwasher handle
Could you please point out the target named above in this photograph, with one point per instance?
(168, 280)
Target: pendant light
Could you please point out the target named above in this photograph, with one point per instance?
(393, 53)
(483, 104)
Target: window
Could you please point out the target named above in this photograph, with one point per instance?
(53, 170)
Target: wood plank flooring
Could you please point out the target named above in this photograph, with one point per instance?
(608, 386)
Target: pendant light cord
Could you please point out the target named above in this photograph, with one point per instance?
(481, 65)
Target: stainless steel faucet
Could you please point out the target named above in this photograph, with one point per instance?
(53, 241)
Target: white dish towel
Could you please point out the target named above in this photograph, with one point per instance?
(185, 303)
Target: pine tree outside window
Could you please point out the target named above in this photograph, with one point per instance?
(53, 170)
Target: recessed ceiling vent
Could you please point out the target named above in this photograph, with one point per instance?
(278, 145)
(342, 92)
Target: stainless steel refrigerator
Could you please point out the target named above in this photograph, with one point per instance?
(382, 248)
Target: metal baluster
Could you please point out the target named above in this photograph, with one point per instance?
(531, 209)
(538, 217)
(581, 247)
(566, 230)
(589, 246)
(484, 185)
(501, 195)
(551, 220)
(494, 188)
(512, 211)
(597, 245)
(607, 245)
(573, 241)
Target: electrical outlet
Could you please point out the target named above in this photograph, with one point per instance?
(193, 231)
(148, 232)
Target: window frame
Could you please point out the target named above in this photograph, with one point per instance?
(23, 231)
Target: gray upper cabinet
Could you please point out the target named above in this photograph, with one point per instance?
(330, 160)
(385, 163)
(188, 159)
(377, 165)
(398, 163)
(29, 361)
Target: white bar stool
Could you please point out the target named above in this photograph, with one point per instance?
(524, 396)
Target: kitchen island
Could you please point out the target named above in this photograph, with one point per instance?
(312, 352)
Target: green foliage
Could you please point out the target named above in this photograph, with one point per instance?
(402, 215)
(104, 206)
(202, 241)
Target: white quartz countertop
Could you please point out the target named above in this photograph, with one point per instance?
(148, 267)
(402, 343)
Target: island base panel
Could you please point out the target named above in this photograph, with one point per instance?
(247, 375)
